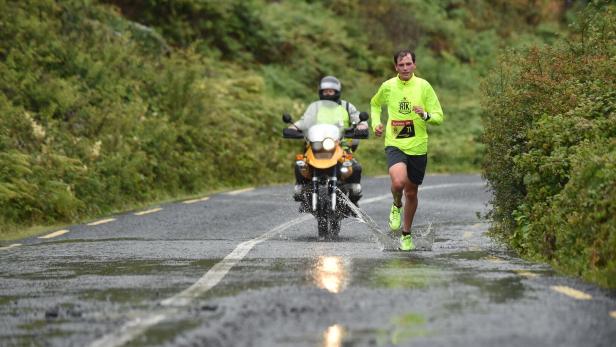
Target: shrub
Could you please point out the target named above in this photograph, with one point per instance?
(549, 143)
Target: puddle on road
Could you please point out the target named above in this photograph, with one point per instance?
(423, 237)
(73, 269)
(242, 299)
(497, 290)
(401, 330)
(9, 299)
(398, 273)
(331, 273)
(133, 296)
(166, 332)
(466, 255)
(407, 327)
(333, 336)
(261, 273)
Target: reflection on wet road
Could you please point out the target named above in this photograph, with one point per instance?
(330, 273)
(333, 335)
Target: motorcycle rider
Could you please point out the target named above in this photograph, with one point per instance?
(330, 89)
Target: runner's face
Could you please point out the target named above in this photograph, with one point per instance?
(405, 67)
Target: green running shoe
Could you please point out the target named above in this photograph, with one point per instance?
(406, 243)
(394, 217)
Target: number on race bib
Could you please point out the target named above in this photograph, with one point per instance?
(403, 128)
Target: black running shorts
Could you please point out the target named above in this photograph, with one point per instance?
(415, 164)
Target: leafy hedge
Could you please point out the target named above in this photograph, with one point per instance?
(93, 120)
(550, 137)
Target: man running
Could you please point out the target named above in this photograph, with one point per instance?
(411, 105)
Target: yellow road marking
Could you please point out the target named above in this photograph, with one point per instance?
(494, 259)
(54, 234)
(527, 274)
(467, 234)
(102, 221)
(239, 191)
(574, 293)
(148, 211)
(613, 314)
(10, 246)
(196, 200)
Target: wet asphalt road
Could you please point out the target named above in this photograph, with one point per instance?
(245, 269)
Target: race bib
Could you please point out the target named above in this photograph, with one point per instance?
(402, 128)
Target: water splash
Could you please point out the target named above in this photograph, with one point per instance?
(424, 239)
(389, 240)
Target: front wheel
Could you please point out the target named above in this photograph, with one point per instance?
(323, 226)
(334, 226)
(328, 221)
(328, 225)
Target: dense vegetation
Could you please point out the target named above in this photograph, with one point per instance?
(106, 106)
(551, 148)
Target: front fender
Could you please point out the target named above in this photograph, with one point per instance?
(323, 163)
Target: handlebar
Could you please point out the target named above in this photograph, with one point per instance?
(290, 133)
(354, 133)
(350, 133)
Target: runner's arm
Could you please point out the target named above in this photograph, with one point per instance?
(433, 106)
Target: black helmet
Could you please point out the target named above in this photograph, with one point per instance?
(330, 82)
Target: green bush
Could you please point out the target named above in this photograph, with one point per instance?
(549, 146)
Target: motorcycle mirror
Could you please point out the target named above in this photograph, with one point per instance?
(363, 116)
(286, 118)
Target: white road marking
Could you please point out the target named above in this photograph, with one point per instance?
(467, 234)
(148, 211)
(102, 221)
(211, 278)
(137, 326)
(574, 293)
(54, 234)
(192, 201)
(240, 191)
(10, 246)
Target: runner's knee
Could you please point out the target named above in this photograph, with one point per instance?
(398, 183)
(410, 191)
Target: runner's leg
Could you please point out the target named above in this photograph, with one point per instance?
(399, 180)
(410, 206)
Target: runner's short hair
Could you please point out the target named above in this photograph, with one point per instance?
(403, 53)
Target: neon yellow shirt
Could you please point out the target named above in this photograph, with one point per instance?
(405, 129)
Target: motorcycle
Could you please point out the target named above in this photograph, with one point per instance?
(325, 164)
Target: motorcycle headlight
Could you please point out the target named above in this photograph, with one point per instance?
(329, 144)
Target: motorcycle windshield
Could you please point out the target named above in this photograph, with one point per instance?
(324, 112)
